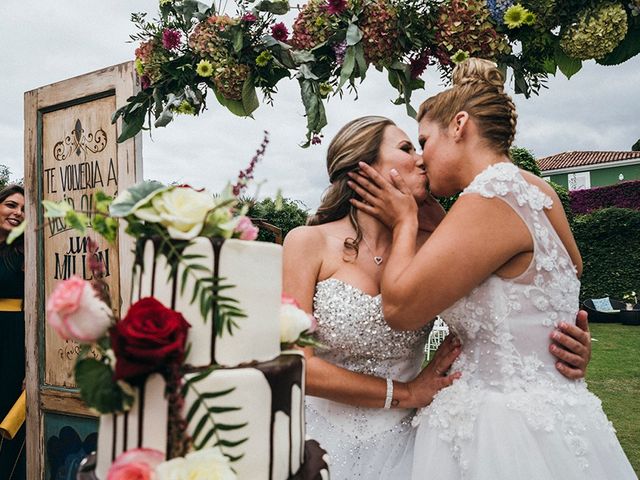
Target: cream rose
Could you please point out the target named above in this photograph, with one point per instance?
(294, 321)
(76, 313)
(205, 464)
(182, 210)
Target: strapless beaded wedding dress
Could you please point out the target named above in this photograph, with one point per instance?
(363, 443)
(512, 415)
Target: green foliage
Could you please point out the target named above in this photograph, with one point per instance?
(565, 199)
(524, 159)
(610, 246)
(288, 215)
(97, 388)
(5, 172)
(202, 413)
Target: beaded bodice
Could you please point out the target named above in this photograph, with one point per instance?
(505, 327)
(351, 326)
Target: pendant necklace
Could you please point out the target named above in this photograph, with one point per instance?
(376, 258)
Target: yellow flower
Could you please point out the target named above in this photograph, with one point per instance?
(139, 66)
(515, 15)
(529, 18)
(459, 56)
(186, 108)
(204, 68)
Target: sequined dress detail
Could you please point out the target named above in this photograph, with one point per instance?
(512, 414)
(363, 443)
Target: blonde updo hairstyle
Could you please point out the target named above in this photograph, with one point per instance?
(478, 89)
(358, 141)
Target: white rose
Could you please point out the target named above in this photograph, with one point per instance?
(182, 210)
(205, 464)
(293, 321)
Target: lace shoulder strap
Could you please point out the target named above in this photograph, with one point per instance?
(505, 180)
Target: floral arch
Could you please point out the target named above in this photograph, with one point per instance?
(193, 48)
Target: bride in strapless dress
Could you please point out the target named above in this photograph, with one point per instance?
(505, 266)
(333, 268)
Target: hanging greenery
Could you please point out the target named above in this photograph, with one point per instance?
(193, 48)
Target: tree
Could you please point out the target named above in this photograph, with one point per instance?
(5, 172)
(286, 216)
(524, 159)
(636, 146)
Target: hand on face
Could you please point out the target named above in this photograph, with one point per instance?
(390, 203)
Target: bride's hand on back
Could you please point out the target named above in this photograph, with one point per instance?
(391, 203)
(435, 376)
(571, 345)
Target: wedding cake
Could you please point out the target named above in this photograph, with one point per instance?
(252, 402)
(240, 391)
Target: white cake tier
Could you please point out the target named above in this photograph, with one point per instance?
(255, 271)
(253, 412)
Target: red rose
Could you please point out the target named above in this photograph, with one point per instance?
(150, 338)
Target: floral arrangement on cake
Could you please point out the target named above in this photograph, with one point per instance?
(119, 354)
(192, 48)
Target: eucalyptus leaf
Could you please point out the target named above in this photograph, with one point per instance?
(76, 220)
(56, 209)
(347, 66)
(302, 56)
(360, 60)
(277, 7)
(165, 117)
(238, 40)
(305, 72)
(354, 34)
(132, 123)
(250, 100)
(135, 197)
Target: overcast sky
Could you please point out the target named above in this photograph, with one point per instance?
(48, 41)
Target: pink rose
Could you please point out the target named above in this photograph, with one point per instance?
(246, 229)
(136, 464)
(75, 312)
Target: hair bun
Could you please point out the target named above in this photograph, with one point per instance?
(478, 70)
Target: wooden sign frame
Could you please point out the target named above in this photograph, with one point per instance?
(104, 88)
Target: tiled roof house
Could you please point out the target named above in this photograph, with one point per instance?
(588, 169)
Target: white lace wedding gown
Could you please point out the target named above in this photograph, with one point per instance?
(512, 415)
(363, 443)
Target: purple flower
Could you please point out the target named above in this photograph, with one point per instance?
(171, 38)
(279, 32)
(316, 139)
(145, 82)
(339, 50)
(249, 17)
(337, 6)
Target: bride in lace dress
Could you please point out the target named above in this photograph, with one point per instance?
(333, 268)
(510, 415)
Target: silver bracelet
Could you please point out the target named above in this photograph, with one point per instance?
(389, 398)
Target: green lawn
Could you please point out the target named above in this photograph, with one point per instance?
(614, 376)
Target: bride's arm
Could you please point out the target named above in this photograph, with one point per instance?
(302, 259)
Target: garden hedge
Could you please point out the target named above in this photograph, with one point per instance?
(609, 242)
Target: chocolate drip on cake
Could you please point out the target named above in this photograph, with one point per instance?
(216, 243)
(141, 401)
(282, 374)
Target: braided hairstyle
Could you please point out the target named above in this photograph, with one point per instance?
(478, 89)
(358, 141)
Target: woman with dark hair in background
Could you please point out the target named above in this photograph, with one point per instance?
(12, 352)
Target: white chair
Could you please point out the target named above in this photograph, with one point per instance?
(438, 333)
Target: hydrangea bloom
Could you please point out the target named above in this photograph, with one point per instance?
(229, 79)
(206, 41)
(379, 27)
(596, 32)
(311, 26)
(497, 8)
